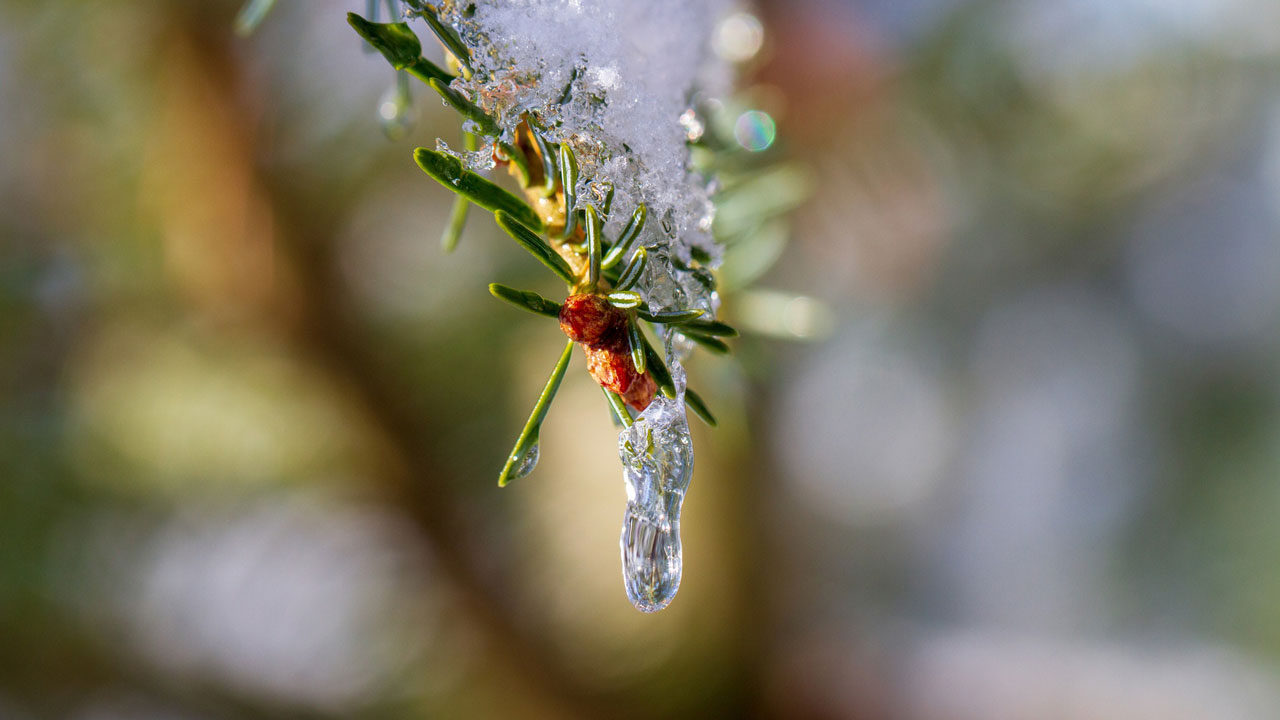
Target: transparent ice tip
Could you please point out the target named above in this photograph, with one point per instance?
(657, 460)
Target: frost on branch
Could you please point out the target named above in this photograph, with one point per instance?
(613, 79)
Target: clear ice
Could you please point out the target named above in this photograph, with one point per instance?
(395, 109)
(474, 160)
(657, 463)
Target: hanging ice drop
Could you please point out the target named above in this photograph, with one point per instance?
(395, 109)
(657, 460)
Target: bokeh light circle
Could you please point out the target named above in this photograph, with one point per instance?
(755, 130)
(738, 37)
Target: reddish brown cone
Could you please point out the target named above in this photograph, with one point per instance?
(601, 328)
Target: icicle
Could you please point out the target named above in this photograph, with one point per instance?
(657, 460)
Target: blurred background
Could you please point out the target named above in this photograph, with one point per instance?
(1018, 458)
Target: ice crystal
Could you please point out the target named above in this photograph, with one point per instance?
(474, 160)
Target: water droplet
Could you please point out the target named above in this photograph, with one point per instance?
(525, 463)
(657, 459)
(755, 130)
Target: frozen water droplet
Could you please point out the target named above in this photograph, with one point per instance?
(651, 558)
(659, 285)
(657, 460)
(395, 111)
(526, 463)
